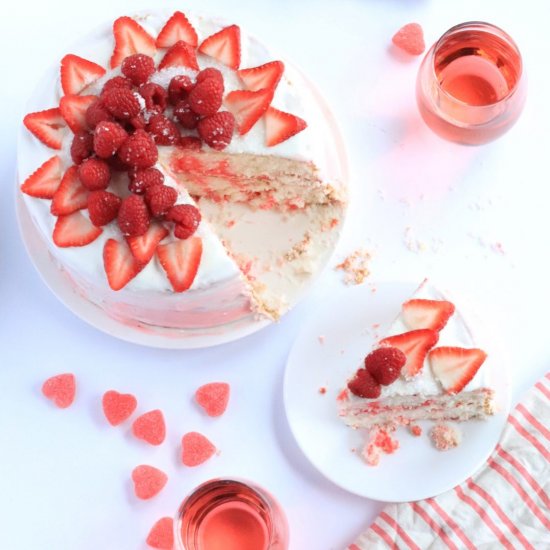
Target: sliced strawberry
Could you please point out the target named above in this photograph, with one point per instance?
(280, 126)
(180, 54)
(415, 345)
(47, 126)
(455, 367)
(264, 76)
(177, 28)
(248, 107)
(119, 263)
(434, 314)
(181, 260)
(75, 230)
(143, 247)
(71, 194)
(77, 73)
(45, 180)
(225, 46)
(73, 109)
(130, 38)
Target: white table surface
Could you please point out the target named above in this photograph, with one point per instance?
(420, 204)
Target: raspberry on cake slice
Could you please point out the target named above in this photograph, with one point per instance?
(428, 367)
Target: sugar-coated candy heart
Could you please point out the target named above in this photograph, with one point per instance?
(162, 534)
(150, 427)
(60, 389)
(213, 398)
(196, 449)
(410, 38)
(118, 407)
(148, 481)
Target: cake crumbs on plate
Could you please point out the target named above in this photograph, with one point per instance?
(379, 441)
(322, 390)
(321, 339)
(445, 437)
(415, 430)
(356, 266)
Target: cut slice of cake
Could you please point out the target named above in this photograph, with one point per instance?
(427, 367)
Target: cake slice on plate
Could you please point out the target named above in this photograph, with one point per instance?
(427, 367)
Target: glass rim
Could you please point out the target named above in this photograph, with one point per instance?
(487, 27)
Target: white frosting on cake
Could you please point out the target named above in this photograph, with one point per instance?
(293, 95)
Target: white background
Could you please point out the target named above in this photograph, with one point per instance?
(64, 475)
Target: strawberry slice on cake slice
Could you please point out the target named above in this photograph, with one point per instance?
(441, 375)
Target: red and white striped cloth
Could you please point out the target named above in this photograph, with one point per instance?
(506, 504)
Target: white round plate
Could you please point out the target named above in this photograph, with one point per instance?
(326, 353)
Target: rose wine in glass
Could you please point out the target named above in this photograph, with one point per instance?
(230, 514)
(470, 86)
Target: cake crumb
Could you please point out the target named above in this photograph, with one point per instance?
(445, 437)
(379, 441)
(322, 390)
(356, 267)
(343, 395)
(412, 243)
(321, 339)
(299, 249)
(415, 430)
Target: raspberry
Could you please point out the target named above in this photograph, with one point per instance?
(210, 72)
(217, 130)
(179, 88)
(141, 180)
(155, 96)
(185, 115)
(163, 130)
(364, 385)
(108, 137)
(139, 150)
(206, 97)
(187, 219)
(385, 364)
(94, 174)
(82, 146)
(137, 123)
(96, 113)
(103, 207)
(117, 82)
(138, 68)
(116, 165)
(191, 142)
(160, 199)
(133, 216)
(121, 103)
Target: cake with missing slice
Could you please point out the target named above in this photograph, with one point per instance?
(180, 174)
(427, 367)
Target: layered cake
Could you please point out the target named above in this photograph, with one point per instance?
(180, 174)
(427, 367)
